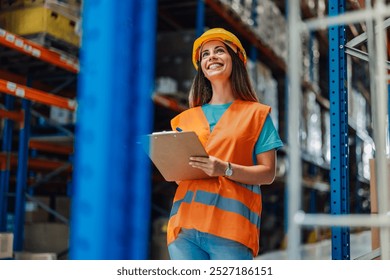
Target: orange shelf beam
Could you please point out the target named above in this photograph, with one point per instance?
(45, 164)
(33, 163)
(19, 79)
(33, 49)
(50, 147)
(3, 162)
(36, 95)
(168, 102)
(16, 116)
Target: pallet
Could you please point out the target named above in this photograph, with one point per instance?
(50, 42)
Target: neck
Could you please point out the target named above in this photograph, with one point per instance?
(222, 93)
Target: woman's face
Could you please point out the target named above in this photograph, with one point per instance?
(215, 60)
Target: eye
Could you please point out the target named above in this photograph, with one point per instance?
(204, 54)
(220, 50)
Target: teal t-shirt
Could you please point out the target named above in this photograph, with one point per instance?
(268, 139)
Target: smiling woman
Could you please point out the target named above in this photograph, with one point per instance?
(219, 217)
(237, 83)
(216, 63)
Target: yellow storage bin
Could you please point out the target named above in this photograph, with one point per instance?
(68, 8)
(40, 20)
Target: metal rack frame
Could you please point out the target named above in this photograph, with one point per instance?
(339, 219)
(28, 94)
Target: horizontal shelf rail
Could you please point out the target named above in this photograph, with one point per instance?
(36, 95)
(342, 19)
(33, 49)
(46, 146)
(33, 163)
(168, 102)
(350, 220)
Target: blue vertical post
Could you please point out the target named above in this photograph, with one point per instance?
(339, 132)
(5, 174)
(200, 18)
(313, 201)
(21, 177)
(112, 183)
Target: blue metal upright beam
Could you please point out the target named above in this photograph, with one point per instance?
(112, 184)
(339, 179)
(200, 18)
(21, 177)
(5, 174)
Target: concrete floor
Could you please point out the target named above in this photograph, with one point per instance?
(360, 245)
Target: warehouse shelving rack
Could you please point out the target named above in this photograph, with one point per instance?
(340, 220)
(17, 46)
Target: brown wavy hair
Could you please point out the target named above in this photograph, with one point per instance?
(201, 91)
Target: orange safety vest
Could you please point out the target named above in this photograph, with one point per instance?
(220, 206)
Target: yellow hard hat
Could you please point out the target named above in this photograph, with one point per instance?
(218, 34)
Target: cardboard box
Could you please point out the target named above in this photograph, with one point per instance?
(46, 237)
(6, 245)
(34, 256)
(62, 116)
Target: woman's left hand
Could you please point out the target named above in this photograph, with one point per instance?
(212, 166)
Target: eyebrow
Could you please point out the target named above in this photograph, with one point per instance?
(216, 47)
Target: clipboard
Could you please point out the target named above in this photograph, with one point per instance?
(170, 152)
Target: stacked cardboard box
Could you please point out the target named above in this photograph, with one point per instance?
(6, 245)
(44, 21)
(46, 238)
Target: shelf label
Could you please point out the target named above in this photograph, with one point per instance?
(11, 86)
(72, 104)
(19, 43)
(27, 48)
(20, 92)
(36, 52)
(10, 37)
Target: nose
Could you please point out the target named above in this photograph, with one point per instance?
(212, 56)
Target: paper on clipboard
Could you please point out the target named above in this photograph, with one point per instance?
(170, 152)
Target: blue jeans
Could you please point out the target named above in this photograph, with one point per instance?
(195, 245)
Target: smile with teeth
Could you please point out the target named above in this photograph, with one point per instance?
(215, 66)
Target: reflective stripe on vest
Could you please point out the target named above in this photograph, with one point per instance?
(226, 204)
(187, 198)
